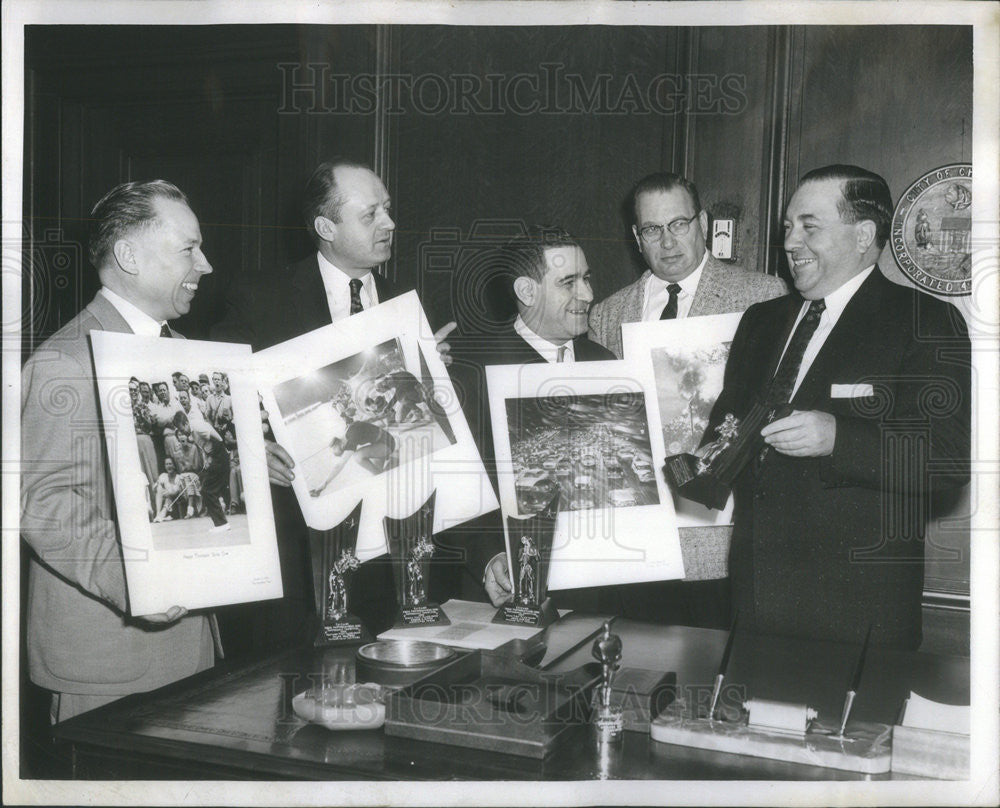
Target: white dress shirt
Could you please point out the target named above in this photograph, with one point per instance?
(338, 289)
(836, 302)
(548, 350)
(140, 322)
(655, 296)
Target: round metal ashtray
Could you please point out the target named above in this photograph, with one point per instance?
(399, 662)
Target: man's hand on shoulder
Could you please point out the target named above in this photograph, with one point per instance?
(804, 433)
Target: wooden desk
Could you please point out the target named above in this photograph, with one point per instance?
(236, 721)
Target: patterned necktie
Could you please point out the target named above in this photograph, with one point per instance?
(165, 331)
(780, 391)
(356, 306)
(670, 310)
(561, 356)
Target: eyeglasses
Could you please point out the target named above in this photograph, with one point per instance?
(678, 227)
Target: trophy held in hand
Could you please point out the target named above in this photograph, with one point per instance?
(531, 550)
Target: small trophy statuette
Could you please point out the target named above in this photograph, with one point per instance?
(528, 561)
(333, 561)
(707, 478)
(609, 722)
(411, 548)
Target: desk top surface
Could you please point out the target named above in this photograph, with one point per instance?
(239, 716)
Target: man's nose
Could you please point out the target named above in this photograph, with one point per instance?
(387, 223)
(203, 266)
(585, 293)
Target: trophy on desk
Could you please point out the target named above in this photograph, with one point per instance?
(530, 552)
(707, 478)
(410, 548)
(333, 561)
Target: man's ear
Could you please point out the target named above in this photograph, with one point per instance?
(525, 289)
(125, 256)
(703, 221)
(325, 228)
(866, 230)
(638, 240)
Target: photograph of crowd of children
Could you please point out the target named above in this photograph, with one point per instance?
(360, 417)
(593, 448)
(188, 454)
(687, 384)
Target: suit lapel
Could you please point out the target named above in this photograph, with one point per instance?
(107, 316)
(849, 339)
(632, 310)
(775, 334)
(310, 302)
(710, 291)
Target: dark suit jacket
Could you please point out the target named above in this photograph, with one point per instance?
(823, 546)
(266, 311)
(484, 536)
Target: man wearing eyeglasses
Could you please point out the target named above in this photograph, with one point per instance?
(683, 279)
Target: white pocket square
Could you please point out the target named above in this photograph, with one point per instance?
(851, 390)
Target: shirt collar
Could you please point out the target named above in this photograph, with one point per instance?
(140, 322)
(689, 285)
(838, 299)
(548, 350)
(335, 278)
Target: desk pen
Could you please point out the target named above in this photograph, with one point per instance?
(721, 675)
(852, 689)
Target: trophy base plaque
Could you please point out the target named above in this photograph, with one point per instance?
(682, 476)
(418, 616)
(532, 616)
(347, 631)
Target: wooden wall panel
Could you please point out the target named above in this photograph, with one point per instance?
(487, 173)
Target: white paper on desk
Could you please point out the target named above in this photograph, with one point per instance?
(178, 562)
(687, 358)
(471, 626)
(313, 386)
(584, 427)
(923, 713)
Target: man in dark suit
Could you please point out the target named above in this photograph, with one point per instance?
(551, 286)
(829, 513)
(346, 210)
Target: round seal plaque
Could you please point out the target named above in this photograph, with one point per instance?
(932, 228)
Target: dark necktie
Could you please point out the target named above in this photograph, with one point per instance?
(165, 331)
(561, 354)
(780, 391)
(670, 310)
(356, 306)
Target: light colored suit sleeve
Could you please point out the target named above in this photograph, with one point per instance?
(63, 477)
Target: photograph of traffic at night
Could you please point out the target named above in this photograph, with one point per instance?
(593, 449)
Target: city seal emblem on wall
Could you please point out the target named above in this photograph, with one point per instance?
(932, 228)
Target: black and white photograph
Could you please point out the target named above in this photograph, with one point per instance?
(361, 417)
(583, 429)
(190, 458)
(593, 449)
(367, 410)
(720, 276)
(688, 360)
(190, 476)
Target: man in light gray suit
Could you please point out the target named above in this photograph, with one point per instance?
(683, 278)
(83, 645)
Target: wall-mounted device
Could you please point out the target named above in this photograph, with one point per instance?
(723, 232)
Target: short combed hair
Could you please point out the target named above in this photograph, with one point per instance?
(864, 195)
(662, 181)
(124, 209)
(524, 256)
(321, 197)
